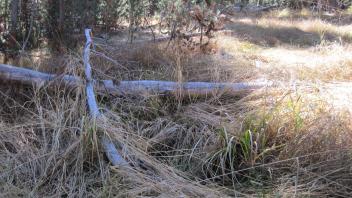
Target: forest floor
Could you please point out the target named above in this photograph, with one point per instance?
(290, 140)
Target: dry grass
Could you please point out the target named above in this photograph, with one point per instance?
(291, 140)
(296, 45)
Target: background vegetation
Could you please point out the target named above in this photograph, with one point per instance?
(26, 24)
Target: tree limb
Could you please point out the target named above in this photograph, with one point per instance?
(24, 76)
(110, 150)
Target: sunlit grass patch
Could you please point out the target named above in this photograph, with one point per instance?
(305, 12)
(349, 10)
(233, 45)
(247, 47)
(284, 13)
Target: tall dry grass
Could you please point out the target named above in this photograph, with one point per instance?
(286, 141)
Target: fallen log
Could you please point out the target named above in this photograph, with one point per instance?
(30, 77)
(194, 88)
(110, 150)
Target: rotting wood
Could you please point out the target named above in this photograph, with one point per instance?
(107, 87)
(110, 150)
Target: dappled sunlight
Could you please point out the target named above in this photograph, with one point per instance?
(272, 31)
(324, 63)
(309, 49)
(267, 35)
(338, 95)
(311, 58)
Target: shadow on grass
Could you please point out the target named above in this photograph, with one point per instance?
(274, 36)
(337, 19)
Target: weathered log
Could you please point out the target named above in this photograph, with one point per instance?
(109, 148)
(92, 104)
(196, 88)
(30, 77)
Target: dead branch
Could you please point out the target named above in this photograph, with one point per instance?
(29, 77)
(110, 150)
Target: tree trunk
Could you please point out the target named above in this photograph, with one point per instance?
(6, 15)
(54, 33)
(11, 40)
(14, 16)
(61, 15)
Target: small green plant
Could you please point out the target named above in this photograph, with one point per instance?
(284, 13)
(247, 145)
(247, 47)
(226, 156)
(237, 152)
(295, 107)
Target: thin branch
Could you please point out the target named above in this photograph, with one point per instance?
(109, 59)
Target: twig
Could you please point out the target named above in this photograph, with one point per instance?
(109, 59)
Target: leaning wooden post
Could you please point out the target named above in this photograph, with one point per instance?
(113, 155)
